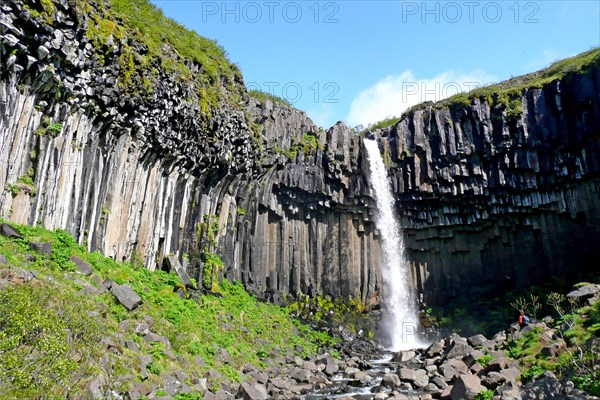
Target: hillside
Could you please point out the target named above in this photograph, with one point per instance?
(76, 323)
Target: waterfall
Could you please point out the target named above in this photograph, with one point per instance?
(401, 318)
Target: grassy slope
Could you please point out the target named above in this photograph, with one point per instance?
(509, 90)
(251, 331)
(149, 43)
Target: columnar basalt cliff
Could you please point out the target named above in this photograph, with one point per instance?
(504, 192)
(143, 162)
(157, 156)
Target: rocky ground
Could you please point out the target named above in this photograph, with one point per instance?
(453, 367)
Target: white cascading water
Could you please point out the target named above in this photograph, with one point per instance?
(402, 320)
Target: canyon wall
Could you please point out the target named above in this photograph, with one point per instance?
(489, 196)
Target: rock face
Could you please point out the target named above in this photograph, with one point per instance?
(486, 198)
(490, 198)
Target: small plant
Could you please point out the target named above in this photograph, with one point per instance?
(487, 395)
(54, 128)
(485, 360)
(531, 373)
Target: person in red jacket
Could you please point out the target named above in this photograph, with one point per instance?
(523, 319)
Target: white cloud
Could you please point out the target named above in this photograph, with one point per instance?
(396, 93)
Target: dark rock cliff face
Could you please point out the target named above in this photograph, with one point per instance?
(485, 198)
(489, 200)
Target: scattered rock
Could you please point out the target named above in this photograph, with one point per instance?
(175, 266)
(466, 387)
(42, 248)
(256, 391)
(404, 356)
(82, 266)
(10, 232)
(126, 296)
(391, 380)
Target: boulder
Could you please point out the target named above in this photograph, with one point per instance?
(42, 248)
(82, 266)
(545, 387)
(511, 374)
(458, 350)
(10, 232)
(332, 366)
(552, 349)
(175, 266)
(391, 380)
(256, 391)
(497, 364)
(300, 374)
(435, 349)
(421, 378)
(404, 356)
(452, 369)
(126, 296)
(477, 340)
(493, 380)
(466, 387)
(406, 374)
(472, 357)
(584, 292)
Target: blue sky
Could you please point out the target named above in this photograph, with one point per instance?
(361, 61)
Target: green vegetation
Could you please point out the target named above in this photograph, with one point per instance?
(576, 357)
(48, 128)
(54, 129)
(514, 87)
(147, 46)
(54, 327)
(41, 8)
(24, 182)
(504, 95)
(484, 361)
(308, 145)
(487, 395)
(328, 311)
(263, 96)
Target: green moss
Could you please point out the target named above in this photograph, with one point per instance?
(41, 9)
(263, 96)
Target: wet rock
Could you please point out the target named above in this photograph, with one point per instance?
(404, 356)
(391, 380)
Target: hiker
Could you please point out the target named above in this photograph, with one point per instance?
(523, 319)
